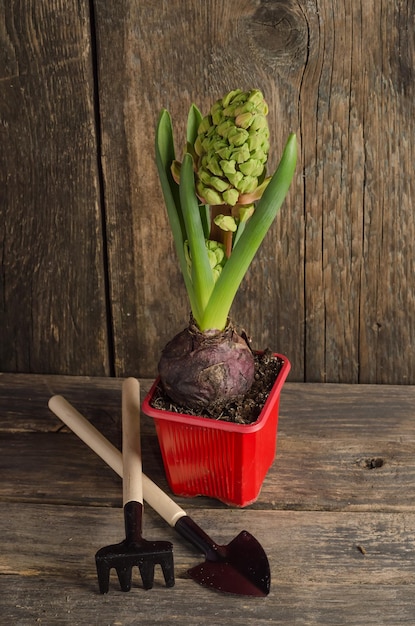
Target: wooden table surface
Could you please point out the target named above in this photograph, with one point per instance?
(335, 514)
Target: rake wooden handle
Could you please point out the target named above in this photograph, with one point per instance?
(153, 495)
(132, 482)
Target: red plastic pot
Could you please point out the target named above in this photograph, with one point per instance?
(227, 461)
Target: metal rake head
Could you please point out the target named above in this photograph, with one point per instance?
(134, 551)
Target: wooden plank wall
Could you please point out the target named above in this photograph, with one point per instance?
(88, 279)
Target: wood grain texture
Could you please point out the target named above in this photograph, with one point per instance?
(358, 168)
(319, 575)
(52, 282)
(388, 302)
(89, 278)
(338, 532)
(339, 448)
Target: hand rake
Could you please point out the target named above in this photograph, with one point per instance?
(134, 550)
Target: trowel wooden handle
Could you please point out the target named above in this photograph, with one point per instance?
(156, 498)
(131, 445)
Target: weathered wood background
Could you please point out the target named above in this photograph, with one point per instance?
(88, 279)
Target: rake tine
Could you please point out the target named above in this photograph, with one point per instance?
(147, 574)
(103, 578)
(124, 576)
(167, 567)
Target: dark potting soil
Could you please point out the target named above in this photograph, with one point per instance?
(242, 410)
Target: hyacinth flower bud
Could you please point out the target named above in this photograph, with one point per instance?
(231, 149)
(216, 256)
(226, 222)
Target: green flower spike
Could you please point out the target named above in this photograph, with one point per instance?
(232, 145)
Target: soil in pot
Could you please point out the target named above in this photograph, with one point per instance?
(242, 410)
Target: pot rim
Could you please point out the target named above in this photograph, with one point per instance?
(209, 423)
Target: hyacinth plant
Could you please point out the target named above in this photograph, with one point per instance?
(220, 205)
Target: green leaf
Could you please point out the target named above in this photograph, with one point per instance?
(205, 217)
(217, 311)
(202, 275)
(165, 156)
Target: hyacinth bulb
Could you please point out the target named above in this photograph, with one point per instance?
(200, 369)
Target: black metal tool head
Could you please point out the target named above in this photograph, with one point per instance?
(134, 551)
(240, 567)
